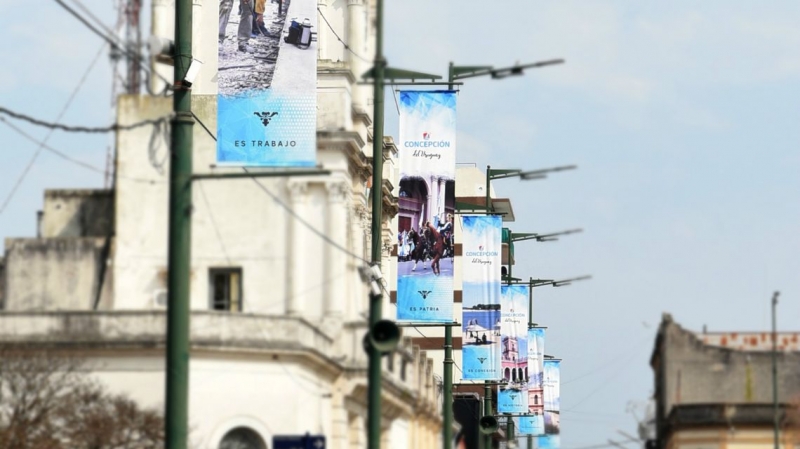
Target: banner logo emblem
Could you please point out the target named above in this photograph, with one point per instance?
(424, 293)
(481, 359)
(265, 116)
(426, 136)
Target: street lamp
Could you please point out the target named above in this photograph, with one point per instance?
(492, 174)
(455, 73)
(522, 236)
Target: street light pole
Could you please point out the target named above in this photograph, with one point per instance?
(375, 312)
(180, 231)
(775, 372)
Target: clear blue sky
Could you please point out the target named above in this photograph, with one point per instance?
(683, 117)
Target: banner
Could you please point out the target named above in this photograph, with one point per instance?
(513, 397)
(267, 84)
(552, 397)
(547, 442)
(480, 321)
(536, 379)
(426, 201)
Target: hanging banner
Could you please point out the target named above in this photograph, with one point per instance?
(547, 442)
(426, 201)
(513, 397)
(267, 84)
(536, 379)
(552, 397)
(482, 240)
(527, 425)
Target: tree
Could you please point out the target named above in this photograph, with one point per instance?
(48, 401)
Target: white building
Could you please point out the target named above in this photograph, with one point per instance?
(278, 309)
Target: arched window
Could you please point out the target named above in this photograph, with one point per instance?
(242, 438)
(536, 399)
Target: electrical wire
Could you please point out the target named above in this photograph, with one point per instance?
(83, 129)
(347, 47)
(39, 148)
(111, 41)
(288, 209)
(71, 159)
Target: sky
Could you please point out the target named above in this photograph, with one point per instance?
(682, 117)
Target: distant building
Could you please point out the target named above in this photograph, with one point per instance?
(714, 390)
(277, 305)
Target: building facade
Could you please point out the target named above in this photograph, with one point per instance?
(278, 309)
(715, 390)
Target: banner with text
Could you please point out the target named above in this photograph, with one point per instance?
(426, 201)
(552, 397)
(267, 86)
(536, 379)
(480, 321)
(513, 397)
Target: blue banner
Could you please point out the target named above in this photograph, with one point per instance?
(536, 337)
(552, 397)
(514, 345)
(426, 200)
(267, 85)
(481, 321)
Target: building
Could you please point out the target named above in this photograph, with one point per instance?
(714, 390)
(277, 305)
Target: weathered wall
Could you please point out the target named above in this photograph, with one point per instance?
(695, 373)
(76, 213)
(52, 274)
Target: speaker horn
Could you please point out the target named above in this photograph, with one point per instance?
(384, 336)
(488, 425)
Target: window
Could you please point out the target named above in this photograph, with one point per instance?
(225, 289)
(536, 399)
(242, 438)
(403, 366)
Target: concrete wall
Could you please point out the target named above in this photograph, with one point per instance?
(53, 274)
(691, 372)
(76, 213)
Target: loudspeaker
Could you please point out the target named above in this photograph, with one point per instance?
(384, 336)
(488, 425)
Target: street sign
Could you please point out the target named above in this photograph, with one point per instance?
(306, 441)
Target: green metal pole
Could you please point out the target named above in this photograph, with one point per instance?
(375, 313)
(447, 407)
(180, 228)
(447, 413)
(530, 304)
(488, 199)
(775, 371)
(487, 411)
(510, 429)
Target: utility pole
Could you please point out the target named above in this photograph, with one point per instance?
(775, 371)
(375, 313)
(180, 231)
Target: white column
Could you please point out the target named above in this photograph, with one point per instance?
(323, 30)
(298, 198)
(336, 262)
(356, 26)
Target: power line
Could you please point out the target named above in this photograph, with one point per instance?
(288, 209)
(113, 42)
(347, 47)
(83, 129)
(35, 156)
(69, 158)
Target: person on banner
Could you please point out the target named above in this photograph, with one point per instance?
(225, 7)
(436, 241)
(446, 229)
(418, 246)
(245, 25)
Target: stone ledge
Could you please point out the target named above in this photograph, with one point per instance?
(148, 329)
